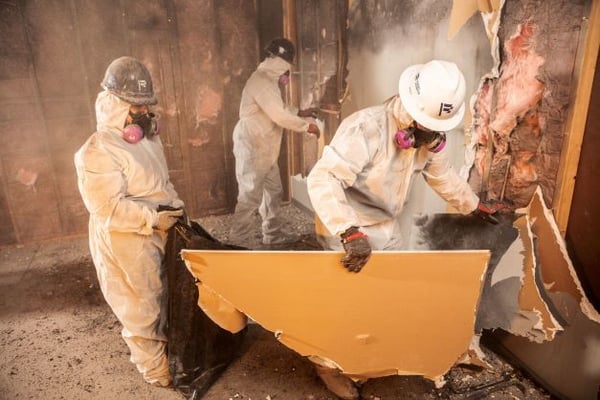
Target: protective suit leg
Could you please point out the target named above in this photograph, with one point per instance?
(251, 181)
(133, 282)
(270, 209)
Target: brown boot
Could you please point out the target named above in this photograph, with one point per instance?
(338, 383)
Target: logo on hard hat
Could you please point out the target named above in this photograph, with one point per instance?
(281, 50)
(142, 84)
(417, 85)
(446, 108)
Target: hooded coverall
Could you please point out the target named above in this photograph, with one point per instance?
(122, 185)
(256, 145)
(363, 178)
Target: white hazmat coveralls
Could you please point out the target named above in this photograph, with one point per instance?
(122, 185)
(256, 145)
(363, 178)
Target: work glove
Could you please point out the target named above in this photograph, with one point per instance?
(309, 113)
(313, 129)
(486, 210)
(358, 249)
(167, 218)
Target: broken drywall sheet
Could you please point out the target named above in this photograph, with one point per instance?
(510, 298)
(534, 308)
(220, 310)
(568, 365)
(558, 273)
(394, 318)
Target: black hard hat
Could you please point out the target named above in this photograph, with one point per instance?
(129, 79)
(282, 48)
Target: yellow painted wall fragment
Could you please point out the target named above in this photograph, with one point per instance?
(406, 313)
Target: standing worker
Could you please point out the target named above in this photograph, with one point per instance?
(123, 179)
(257, 142)
(360, 184)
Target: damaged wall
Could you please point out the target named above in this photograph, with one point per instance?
(199, 54)
(520, 113)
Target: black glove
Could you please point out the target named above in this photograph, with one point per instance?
(486, 210)
(358, 249)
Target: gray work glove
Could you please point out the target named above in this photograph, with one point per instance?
(167, 218)
(358, 249)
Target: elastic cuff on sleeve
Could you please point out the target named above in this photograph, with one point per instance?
(151, 218)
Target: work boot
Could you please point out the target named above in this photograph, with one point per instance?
(338, 383)
(164, 381)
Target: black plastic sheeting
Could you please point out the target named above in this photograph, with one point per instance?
(198, 349)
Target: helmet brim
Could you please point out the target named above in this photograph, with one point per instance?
(410, 104)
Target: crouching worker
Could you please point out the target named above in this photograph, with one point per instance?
(359, 186)
(123, 180)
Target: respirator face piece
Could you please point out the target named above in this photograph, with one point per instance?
(142, 125)
(415, 138)
(284, 79)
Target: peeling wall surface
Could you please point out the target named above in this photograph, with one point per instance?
(520, 113)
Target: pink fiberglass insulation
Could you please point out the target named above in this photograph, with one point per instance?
(518, 90)
(503, 106)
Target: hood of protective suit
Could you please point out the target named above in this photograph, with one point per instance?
(111, 112)
(402, 117)
(274, 67)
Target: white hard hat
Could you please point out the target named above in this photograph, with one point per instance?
(434, 94)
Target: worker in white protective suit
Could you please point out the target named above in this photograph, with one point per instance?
(256, 145)
(360, 184)
(123, 179)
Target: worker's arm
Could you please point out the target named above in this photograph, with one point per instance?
(337, 169)
(269, 100)
(103, 189)
(444, 180)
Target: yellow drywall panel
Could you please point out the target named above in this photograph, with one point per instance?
(406, 313)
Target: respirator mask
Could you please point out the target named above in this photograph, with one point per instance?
(142, 125)
(415, 137)
(284, 79)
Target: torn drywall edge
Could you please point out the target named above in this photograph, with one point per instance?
(578, 346)
(491, 21)
(474, 355)
(459, 267)
(222, 312)
(530, 298)
(508, 266)
(510, 300)
(558, 272)
(577, 375)
(463, 10)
